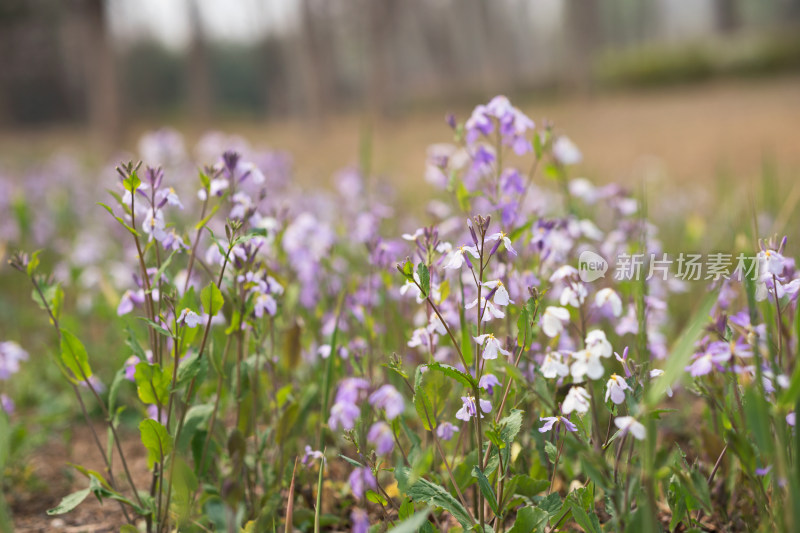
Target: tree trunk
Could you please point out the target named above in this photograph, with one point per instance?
(102, 91)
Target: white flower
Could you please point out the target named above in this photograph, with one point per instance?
(553, 320)
(583, 189)
(413, 236)
(573, 294)
(419, 337)
(501, 294)
(492, 346)
(586, 363)
(189, 317)
(627, 424)
(562, 273)
(577, 400)
(506, 241)
(554, 365)
(435, 325)
(608, 297)
(168, 196)
(597, 343)
(615, 389)
(490, 311)
(656, 372)
(457, 256)
(566, 152)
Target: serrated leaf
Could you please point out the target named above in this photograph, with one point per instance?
(156, 440)
(511, 426)
(529, 520)
(588, 521)
(425, 491)
(413, 523)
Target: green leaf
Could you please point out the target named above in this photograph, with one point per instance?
(486, 488)
(376, 498)
(588, 521)
(422, 403)
(551, 451)
(425, 491)
(463, 197)
(551, 504)
(212, 300)
(530, 487)
(156, 327)
(682, 351)
(351, 461)
(195, 417)
(119, 219)
(529, 519)
(413, 523)
(510, 426)
(113, 390)
(424, 279)
(132, 182)
(68, 503)
(450, 371)
(152, 383)
(208, 217)
(191, 368)
(74, 356)
(33, 263)
(156, 440)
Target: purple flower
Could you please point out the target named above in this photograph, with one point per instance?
(360, 480)
(349, 389)
(6, 404)
(553, 421)
(790, 419)
(343, 414)
(312, 455)
(11, 354)
(488, 382)
(389, 399)
(152, 412)
(446, 430)
(763, 471)
(129, 300)
(469, 410)
(360, 521)
(380, 434)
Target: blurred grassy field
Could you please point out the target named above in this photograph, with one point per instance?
(689, 133)
(708, 151)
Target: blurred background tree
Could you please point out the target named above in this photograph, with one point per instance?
(101, 63)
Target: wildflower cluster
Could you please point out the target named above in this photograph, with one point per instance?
(295, 359)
